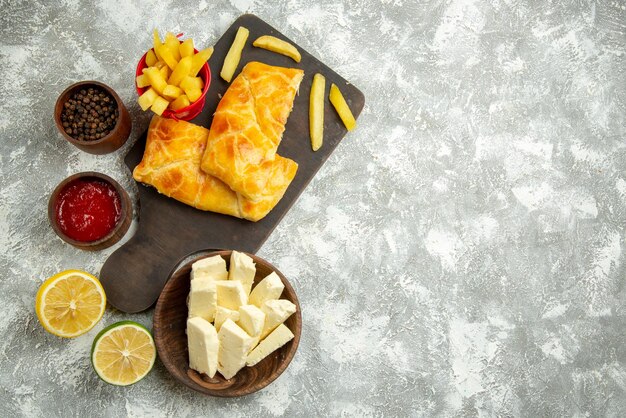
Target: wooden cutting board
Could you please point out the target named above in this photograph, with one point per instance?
(169, 231)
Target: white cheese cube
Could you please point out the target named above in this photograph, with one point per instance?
(235, 344)
(202, 275)
(230, 294)
(279, 337)
(269, 288)
(276, 312)
(251, 320)
(203, 346)
(202, 300)
(214, 267)
(242, 268)
(222, 314)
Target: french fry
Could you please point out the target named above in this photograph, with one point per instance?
(147, 98)
(151, 58)
(190, 82)
(182, 101)
(167, 56)
(234, 54)
(342, 108)
(274, 44)
(172, 92)
(198, 82)
(165, 72)
(193, 94)
(159, 105)
(180, 72)
(156, 79)
(316, 111)
(186, 48)
(156, 43)
(173, 44)
(142, 81)
(199, 60)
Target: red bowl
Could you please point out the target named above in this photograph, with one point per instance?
(186, 113)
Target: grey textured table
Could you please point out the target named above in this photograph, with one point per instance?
(460, 254)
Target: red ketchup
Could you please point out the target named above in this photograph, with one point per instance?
(88, 209)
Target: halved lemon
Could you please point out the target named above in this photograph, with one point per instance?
(123, 353)
(70, 303)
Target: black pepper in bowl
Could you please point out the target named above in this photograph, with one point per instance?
(89, 115)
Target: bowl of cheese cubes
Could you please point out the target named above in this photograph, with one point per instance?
(227, 323)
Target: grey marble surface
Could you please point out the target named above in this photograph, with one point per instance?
(460, 254)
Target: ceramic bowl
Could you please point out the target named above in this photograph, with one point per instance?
(118, 231)
(109, 143)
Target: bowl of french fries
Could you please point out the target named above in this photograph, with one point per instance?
(173, 77)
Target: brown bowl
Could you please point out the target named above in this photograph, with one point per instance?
(116, 233)
(169, 328)
(114, 140)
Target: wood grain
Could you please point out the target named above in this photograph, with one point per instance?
(169, 329)
(134, 275)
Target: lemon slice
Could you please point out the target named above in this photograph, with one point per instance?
(70, 303)
(123, 353)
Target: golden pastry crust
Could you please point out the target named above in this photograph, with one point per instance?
(171, 163)
(247, 128)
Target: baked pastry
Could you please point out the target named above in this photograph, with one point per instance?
(247, 128)
(171, 163)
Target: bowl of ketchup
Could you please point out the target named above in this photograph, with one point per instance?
(90, 211)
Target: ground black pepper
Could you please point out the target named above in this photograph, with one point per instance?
(89, 115)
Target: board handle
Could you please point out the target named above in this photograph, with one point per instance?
(134, 275)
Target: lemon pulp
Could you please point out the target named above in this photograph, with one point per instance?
(123, 353)
(70, 303)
